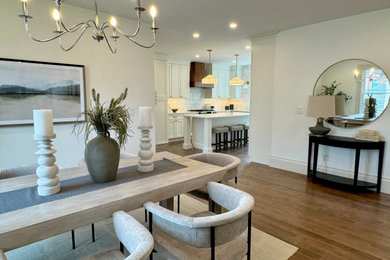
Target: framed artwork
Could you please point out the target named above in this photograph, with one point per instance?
(28, 85)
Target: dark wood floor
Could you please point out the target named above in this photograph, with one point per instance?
(322, 222)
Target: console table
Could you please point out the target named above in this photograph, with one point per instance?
(344, 142)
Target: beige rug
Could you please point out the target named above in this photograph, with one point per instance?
(264, 246)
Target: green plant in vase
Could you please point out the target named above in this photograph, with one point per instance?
(330, 91)
(102, 152)
(371, 106)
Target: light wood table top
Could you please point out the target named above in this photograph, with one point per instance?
(31, 224)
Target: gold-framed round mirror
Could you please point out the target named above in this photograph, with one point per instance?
(361, 89)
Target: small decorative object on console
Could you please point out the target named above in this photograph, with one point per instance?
(368, 135)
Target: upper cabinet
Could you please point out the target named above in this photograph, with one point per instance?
(222, 89)
(178, 80)
(160, 78)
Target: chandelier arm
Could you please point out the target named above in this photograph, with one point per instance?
(141, 45)
(77, 40)
(113, 50)
(135, 33)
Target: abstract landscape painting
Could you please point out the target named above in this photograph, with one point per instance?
(29, 85)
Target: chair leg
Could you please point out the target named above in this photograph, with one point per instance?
(212, 242)
(73, 240)
(93, 232)
(121, 248)
(235, 180)
(178, 203)
(146, 215)
(249, 235)
(151, 231)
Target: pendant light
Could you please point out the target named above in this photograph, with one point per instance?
(236, 81)
(209, 79)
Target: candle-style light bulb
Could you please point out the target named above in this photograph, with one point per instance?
(113, 22)
(153, 14)
(153, 11)
(24, 7)
(56, 15)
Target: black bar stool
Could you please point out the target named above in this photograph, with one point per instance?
(235, 135)
(219, 141)
(246, 136)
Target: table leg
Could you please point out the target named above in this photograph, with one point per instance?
(315, 161)
(356, 172)
(309, 157)
(168, 203)
(380, 165)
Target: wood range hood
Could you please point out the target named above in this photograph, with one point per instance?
(198, 71)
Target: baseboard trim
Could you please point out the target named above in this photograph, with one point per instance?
(301, 168)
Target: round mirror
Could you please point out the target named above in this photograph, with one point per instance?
(361, 91)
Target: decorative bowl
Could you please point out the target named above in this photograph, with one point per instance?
(174, 110)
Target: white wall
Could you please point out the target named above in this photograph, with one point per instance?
(108, 73)
(301, 55)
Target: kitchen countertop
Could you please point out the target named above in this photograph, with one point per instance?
(218, 112)
(218, 115)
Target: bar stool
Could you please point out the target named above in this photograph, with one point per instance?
(246, 136)
(219, 143)
(235, 135)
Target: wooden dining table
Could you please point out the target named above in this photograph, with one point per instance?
(31, 224)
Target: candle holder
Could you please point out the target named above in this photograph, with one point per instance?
(145, 163)
(48, 181)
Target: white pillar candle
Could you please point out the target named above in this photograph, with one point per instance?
(145, 117)
(43, 122)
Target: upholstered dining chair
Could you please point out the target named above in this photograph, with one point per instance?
(205, 235)
(132, 235)
(229, 162)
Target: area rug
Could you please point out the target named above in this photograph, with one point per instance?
(264, 246)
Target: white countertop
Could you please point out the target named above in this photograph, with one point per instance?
(181, 113)
(218, 115)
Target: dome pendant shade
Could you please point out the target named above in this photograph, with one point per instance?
(236, 81)
(209, 79)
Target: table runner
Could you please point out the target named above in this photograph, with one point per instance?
(27, 197)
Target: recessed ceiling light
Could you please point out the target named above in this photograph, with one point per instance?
(195, 35)
(197, 56)
(234, 61)
(233, 25)
(248, 47)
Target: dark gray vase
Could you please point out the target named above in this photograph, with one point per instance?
(102, 158)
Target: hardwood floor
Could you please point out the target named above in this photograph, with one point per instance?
(322, 222)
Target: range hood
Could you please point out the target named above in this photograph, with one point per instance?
(198, 71)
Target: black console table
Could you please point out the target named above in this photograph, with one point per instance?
(344, 142)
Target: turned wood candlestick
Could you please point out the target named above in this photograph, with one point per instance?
(145, 163)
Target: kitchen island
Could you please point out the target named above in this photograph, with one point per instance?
(198, 128)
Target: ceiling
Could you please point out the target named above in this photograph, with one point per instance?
(178, 19)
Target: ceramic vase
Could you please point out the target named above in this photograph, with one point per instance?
(102, 158)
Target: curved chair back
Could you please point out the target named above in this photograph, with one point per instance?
(229, 162)
(2, 256)
(199, 231)
(134, 236)
(18, 171)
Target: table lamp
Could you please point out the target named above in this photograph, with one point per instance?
(321, 107)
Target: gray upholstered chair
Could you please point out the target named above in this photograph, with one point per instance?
(205, 234)
(132, 235)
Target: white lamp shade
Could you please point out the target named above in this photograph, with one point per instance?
(209, 79)
(321, 106)
(236, 81)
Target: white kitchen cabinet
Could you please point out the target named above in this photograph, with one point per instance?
(175, 127)
(222, 88)
(160, 114)
(178, 80)
(184, 81)
(160, 78)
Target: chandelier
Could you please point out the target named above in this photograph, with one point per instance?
(99, 30)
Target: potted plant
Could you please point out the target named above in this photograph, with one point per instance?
(102, 152)
(371, 106)
(330, 91)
